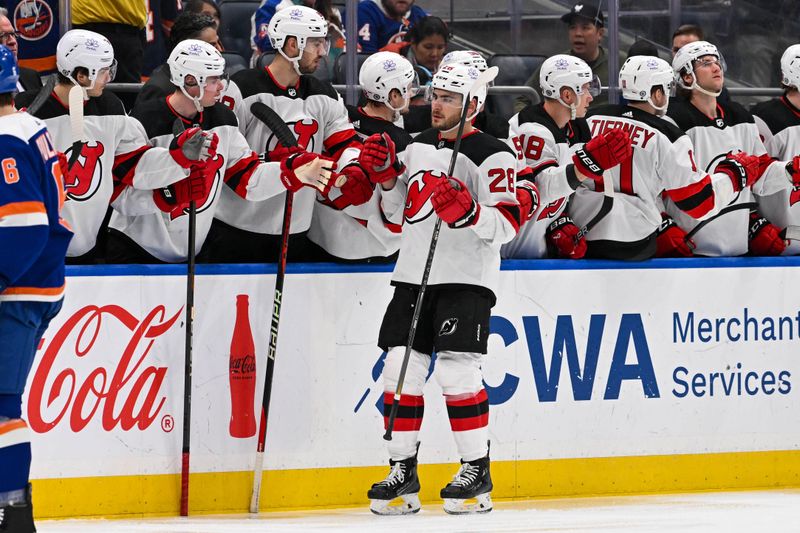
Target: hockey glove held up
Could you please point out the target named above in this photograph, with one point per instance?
(304, 169)
(603, 152)
(192, 146)
(454, 204)
(764, 238)
(528, 199)
(743, 169)
(564, 239)
(281, 152)
(356, 190)
(379, 158)
(671, 239)
(793, 169)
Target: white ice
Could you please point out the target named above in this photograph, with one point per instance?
(728, 512)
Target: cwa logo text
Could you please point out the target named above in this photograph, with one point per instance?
(546, 366)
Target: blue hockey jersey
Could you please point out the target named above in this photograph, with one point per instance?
(33, 237)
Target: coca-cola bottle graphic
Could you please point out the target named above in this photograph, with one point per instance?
(242, 372)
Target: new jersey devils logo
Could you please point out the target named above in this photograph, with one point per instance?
(551, 210)
(794, 196)
(304, 130)
(83, 179)
(420, 189)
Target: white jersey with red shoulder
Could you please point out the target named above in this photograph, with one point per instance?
(316, 115)
(544, 156)
(468, 255)
(662, 167)
(732, 129)
(359, 232)
(116, 155)
(778, 122)
(148, 217)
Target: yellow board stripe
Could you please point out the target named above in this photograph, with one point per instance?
(227, 492)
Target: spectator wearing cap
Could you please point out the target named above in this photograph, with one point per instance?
(28, 78)
(586, 28)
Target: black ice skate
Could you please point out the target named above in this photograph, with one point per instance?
(472, 481)
(402, 482)
(17, 517)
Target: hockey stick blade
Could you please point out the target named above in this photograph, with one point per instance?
(792, 233)
(274, 122)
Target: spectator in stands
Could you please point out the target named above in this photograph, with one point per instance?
(586, 25)
(382, 22)
(685, 34)
(188, 25)
(161, 17)
(122, 22)
(28, 78)
(209, 7)
(424, 45)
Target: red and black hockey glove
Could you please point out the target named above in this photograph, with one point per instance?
(603, 152)
(764, 238)
(379, 158)
(671, 240)
(454, 204)
(192, 146)
(281, 152)
(356, 190)
(564, 239)
(528, 199)
(743, 169)
(305, 169)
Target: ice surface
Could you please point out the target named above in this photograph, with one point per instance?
(729, 512)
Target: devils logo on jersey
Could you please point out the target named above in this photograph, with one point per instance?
(84, 177)
(794, 196)
(420, 188)
(213, 165)
(304, 130)
(551, 210)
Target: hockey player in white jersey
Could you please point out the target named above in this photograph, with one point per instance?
(250, 232)
(363, 233)
(160, 229)
(778, 122)
(544, 156)
(661, 166)
(117, 153)
(716, 130)
(479, 210)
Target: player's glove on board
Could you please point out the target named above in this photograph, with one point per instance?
(764, 238)
(564, 239)
(743, 169)
(671, 240)
(528, 199)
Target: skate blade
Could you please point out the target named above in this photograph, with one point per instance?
(483, 504)
(409, 505)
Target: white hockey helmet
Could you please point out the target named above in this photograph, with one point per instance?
(198, 59)
(87, 49)
(638, 76)
(790, 67)
(385, 71)
(300, 22)
(683, 63)
(459, 79)
(469, 58)
(563, 70)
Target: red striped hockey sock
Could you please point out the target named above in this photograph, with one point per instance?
(469, 420)
(406, 426)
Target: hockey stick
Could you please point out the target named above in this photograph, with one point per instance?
(77, 95)
(483, 79)
(275, 123)
(177, 129)
(41, 98)
(605, 207)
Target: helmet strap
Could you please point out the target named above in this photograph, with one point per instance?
(195, 99)
(295, 61)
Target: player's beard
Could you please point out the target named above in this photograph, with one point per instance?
(308, 68)
(448, 123)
